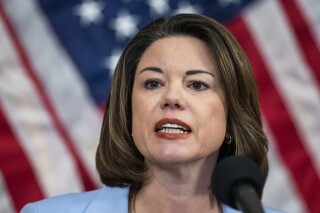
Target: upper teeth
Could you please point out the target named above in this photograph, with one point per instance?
(175, 126)
(172, 126)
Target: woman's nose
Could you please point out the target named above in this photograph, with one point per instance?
(173, 99)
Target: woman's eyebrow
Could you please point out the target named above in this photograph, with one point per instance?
(193, 72)
(189, 72)
(155, 69)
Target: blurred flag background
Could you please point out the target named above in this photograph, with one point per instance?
(57, 59)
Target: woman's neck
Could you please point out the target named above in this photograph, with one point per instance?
(181, 188)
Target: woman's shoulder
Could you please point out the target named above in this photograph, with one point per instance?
(114, 199)
(106, 199)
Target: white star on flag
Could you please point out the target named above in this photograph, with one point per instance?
(90, 11)
(125, 25)
(186, 7)
(158, 7)
(111, 62)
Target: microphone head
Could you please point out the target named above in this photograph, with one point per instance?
(231, 171)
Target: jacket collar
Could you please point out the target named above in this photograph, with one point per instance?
(116, 199)
(109, 199)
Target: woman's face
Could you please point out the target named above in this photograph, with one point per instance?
(178, 107)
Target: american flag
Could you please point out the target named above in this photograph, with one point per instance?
(56, 63)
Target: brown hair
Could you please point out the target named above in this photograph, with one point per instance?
(119, 163)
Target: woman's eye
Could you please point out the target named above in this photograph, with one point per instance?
(152, 84)
(198, 86)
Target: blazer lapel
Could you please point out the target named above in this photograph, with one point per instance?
(109, 199)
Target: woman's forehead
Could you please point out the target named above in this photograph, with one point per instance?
(178, 50)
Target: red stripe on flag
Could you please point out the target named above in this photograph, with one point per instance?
(21, 183)
(289, 142)
(88, 183)
(304, 36)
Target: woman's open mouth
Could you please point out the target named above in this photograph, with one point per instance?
(172, 128)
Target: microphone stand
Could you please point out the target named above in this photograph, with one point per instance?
(246, 198)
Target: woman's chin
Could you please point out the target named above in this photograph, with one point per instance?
(180, 157)
(174, 158)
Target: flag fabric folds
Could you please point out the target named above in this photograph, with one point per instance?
(57, 59)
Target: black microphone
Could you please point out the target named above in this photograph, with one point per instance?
(237, 182)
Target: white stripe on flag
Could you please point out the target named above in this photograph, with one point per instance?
(279, 191)
(61, 80)
(311, 11)
(290, 73)
(5, 202)
(33, 126)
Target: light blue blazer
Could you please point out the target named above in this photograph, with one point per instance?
(104, 200)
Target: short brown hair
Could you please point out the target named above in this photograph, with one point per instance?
(118, 160)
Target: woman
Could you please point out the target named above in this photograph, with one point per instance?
(183, 97)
